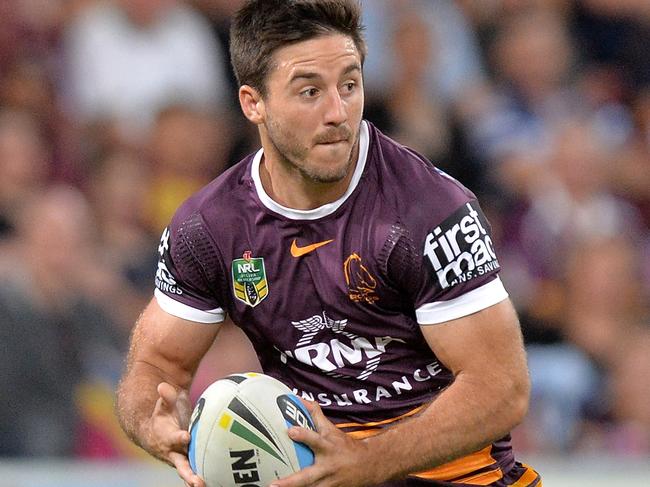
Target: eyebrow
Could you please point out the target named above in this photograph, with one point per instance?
(311, 75)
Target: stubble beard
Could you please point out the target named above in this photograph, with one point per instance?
(295, 156)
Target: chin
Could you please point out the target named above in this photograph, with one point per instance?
(329, 178)
(331, 174)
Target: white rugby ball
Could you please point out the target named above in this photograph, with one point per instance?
(239, 432)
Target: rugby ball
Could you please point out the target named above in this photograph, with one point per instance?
(239, 434)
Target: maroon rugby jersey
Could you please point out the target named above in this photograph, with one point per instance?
(333, 298)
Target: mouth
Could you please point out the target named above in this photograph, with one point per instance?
(333, 141)
(333, 137)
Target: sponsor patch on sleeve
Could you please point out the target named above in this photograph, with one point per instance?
(460, 248)
(165, 280)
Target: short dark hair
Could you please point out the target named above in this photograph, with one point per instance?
(260, 27)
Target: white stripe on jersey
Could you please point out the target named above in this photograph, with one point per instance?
(321, 211)
(180, 310)
(471, 302)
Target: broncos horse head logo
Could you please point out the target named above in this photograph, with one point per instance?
(361, 284)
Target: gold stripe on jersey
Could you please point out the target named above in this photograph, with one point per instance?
(453, 470)
(527, 478)
(463, 466)
(483, 478)
(380, 423)
(362, 434)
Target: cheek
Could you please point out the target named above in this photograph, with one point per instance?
(357, 105)
(288, 116)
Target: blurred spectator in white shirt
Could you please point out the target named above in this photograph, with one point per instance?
(127, 59)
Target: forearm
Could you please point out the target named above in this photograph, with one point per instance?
(136, 398)
(467, 416)
(163, 349)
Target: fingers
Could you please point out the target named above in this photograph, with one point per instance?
(184, 470)
(166, 429)
(303, 435)
(179, 441)
(321, 439)
(166, 424)
(320, 421)
(174, 402)
(184, 408)
(303, 478)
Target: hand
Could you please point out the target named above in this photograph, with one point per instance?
(340, 460)
(168, 438)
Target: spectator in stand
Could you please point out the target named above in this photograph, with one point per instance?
(630, 176)
(128, 59)
(29, 30)
(615, 34)
(413, 116)
(23, 165)
(118, 194)
(188, 149)
(426, 80)
(605, 297)
(532, 55)
(571, 207)
(572, 201)
(456, 66)
(54, 325)
(630, 390)
(569, 202)
(219, 13)
(608, 316)
(27, 86)
(31, 72)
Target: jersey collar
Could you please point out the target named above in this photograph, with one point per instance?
(321, 211)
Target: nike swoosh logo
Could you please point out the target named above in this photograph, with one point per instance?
(300, 251)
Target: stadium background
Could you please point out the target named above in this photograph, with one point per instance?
(112, 112)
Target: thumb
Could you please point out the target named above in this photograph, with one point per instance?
(168, 396)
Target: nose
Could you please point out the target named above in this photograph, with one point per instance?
(336, 110)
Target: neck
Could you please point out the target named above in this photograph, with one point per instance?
(288, 187)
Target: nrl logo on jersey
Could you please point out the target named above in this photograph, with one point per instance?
(249, 279)
(338, 355)
(461, 248)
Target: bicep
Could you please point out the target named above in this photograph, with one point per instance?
(170, 345)
(485, 343)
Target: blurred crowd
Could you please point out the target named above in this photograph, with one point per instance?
(112, 112)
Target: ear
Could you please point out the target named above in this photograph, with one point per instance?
(252, 104)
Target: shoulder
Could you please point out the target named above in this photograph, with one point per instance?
(189, 250)
(213, 201)
(421, 193)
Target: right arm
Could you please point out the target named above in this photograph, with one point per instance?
(153, 396)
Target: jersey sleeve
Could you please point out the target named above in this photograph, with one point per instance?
(459, 268)
(449, 269)
(189, 273)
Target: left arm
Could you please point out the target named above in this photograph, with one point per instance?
(489, 396)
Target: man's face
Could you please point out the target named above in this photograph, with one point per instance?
(313, 107)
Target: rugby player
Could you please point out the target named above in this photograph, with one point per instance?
(365, 278)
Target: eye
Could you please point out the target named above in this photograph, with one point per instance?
(349, 86)
(309, 92)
